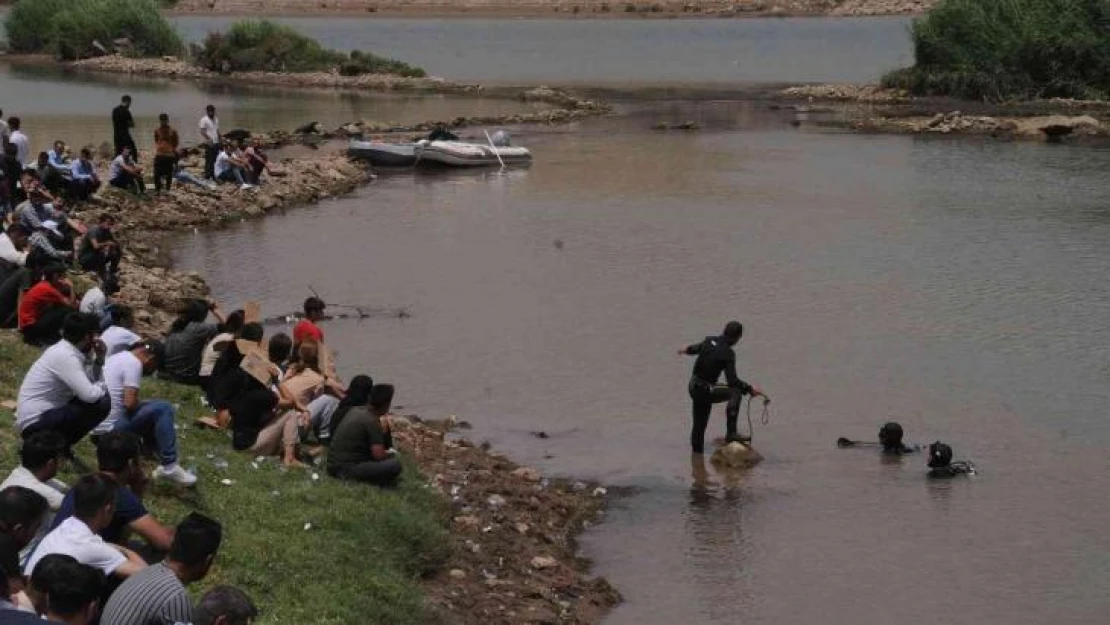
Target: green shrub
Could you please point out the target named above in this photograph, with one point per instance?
(67, 28)
(998, 49)
(249, 46)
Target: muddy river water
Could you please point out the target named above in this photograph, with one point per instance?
(957, 286)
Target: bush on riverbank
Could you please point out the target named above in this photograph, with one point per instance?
(1003, 49)
(361, 559)
(250, 46)
(68, 28)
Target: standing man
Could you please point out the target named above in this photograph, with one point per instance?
(165, 153)
(122, 123)
(210, 139)
(19, 140)
(714, 357)
(151, 419)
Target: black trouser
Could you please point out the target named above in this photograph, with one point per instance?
(15, 282)
(163, 171)
(704, 395)
(73, 420)
(125, 140)
(99, 260)
(47, 330)
(376, 472)
(211, 151)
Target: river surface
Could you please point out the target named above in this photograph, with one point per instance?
(957, 286)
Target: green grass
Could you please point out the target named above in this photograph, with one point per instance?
(1006, 49)
(360, 563)
(252, 45)
(67, 28)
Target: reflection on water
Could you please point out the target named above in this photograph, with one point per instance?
(956, 286)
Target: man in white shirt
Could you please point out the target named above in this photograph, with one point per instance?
(209, 127)
(94, 505)
(151, 419)
(20, 141)
(14, 276)
(96, 302)
(57, 392)
(119, 336)
(40, 457)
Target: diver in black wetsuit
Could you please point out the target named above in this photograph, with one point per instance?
(941, 465)
(715, 356)
(890, 437)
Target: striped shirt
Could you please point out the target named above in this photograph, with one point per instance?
(153, 596)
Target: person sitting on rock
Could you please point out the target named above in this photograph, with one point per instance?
(182, 175)
(125, 174)
(54, 178)
(14, 276)
(186, 341)
(152, 419)
(47, 247)
(230, 330)
(257, 161)
(85, 181)
(362, 442)
(40, 205)
(97, 300)
(45, 306)
(99, 251)
(59, 391)
(230, 168)
(119, 336)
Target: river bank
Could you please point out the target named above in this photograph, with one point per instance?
(507, 554)
(874, 109)
(591, 9)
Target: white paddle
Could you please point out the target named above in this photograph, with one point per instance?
(494, 148)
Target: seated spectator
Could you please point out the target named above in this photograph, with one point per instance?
(224, 605)
(118, 458)
(96, 300)
(229, 331)
(22, 512)
(49, 569)
(46, 205)
(58, 157)
(57, 392)
(85, 181)
(12, 582)
(45, 306)
(100, 251)
(251, 402)
(40, 457)
(152, 419)
(302, 383)
(228, 379)
(306, 329)
(119, 336)
(181, 175)
(53, 178)
(322, 410)
(157, 595)
(47, 246)
(75, 594)
(14, 276)
(125, 174)
(93, 503)
(185, 343)
(360, 446)
(229, 168)
(257, 161)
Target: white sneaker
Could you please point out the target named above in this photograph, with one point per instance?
(246, 187)
(176, 474)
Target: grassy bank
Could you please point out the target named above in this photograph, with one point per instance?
(362, 559)
(1010, 49)
(251, 46)
(69, 28)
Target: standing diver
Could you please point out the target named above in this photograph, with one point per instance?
(714, 356)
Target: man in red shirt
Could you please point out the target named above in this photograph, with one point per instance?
(45, 306)
(307, 328)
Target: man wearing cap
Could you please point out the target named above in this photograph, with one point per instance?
(152, 419)
(43, 249)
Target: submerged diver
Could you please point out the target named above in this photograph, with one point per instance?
(715, 356)
(890, 437)
(941, 465)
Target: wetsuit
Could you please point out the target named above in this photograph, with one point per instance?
(715, 356)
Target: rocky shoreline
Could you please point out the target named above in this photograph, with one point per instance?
(595, 9)
(874, 109)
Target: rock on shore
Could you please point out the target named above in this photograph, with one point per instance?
(1048, 127)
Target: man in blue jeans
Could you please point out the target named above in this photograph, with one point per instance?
(153, 419)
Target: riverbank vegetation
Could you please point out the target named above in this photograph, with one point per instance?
(1010, 49)
(72, 29)
(308, 550)
(250, 46)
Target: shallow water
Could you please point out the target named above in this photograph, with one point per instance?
(955, 285)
